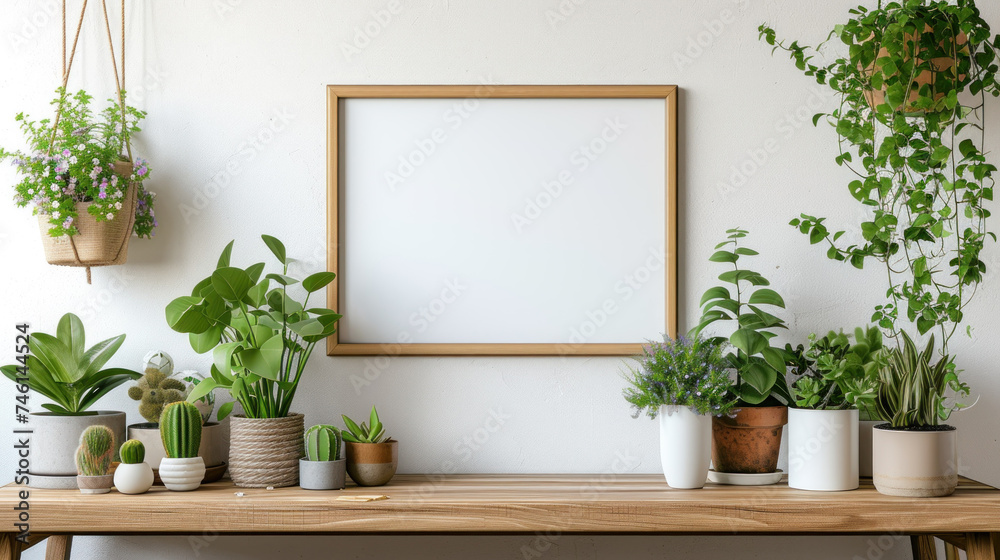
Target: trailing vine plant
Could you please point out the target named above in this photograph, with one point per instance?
(910, 125)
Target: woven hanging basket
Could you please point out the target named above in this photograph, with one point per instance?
(97, 243)
(266, 451)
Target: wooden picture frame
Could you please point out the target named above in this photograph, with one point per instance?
(338, 93)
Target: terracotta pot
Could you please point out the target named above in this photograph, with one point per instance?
(372, 464)
(97, 243)
(915, 463)
(750, 441)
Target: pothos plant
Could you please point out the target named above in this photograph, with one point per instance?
(910, 126)
(743, 308)
(260, 337)
(72, 162)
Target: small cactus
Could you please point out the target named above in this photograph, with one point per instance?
(97, 449)
(154, 391)
(180, 430)
(322, 443)
(133, 452)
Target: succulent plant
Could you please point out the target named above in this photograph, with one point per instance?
(180, 430)
(155, 390)
(322, 443)
(373, 432)
(96, 451)
(133, 452)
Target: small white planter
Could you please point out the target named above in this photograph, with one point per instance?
(182, 475)
(823, 449)
(133, 478)
(915, 463)
(685, 446)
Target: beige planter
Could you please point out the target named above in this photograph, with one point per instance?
(266, 451)
(915, 463)
(97, 243)
(372, 464)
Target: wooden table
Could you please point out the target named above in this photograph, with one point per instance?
(514, 504)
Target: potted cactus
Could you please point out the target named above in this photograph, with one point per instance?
(93, 460)
(180, 428)
(322, 468)
(372, 456)
(133, 475)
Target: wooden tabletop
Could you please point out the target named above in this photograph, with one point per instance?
(508, 504)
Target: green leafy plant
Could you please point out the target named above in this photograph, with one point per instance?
(372, 432)
(62, 369)
(132, 452)
(322, 443)
(689, 372)
(180, 430)
(260, 338)
(194, 379)
(96, 451)
(839, 374)
(913, 387)
(154, 391)
(75, 164)
(760, 367)
(910, 125)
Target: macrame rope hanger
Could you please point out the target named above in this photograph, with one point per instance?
(67, 67)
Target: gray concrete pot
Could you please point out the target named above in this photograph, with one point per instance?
(322, 475)
(95, 484)
(55, 439)
(214, 443)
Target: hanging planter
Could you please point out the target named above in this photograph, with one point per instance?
(78, 174)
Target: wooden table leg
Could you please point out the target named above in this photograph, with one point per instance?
(983, 546)
(58, 547)
(950, 551)
(923, 547)
(10, 547)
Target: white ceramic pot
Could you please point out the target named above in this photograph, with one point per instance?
(685, 446)
(55, 439)
(214, 447)
(823, 449)
(865, 446)
(915, 463)
(182, 475)
(133, 478)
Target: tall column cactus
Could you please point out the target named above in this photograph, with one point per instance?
(180, 430)
(96, 451)
(322, 443)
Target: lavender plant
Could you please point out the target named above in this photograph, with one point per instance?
(75, 164)
(689, 372)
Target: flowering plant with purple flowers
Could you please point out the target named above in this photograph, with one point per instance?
(76, 165)
(689, 372)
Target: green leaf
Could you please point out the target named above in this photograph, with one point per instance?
(352, 426)
(717, 292)
(206, 341)
(254, 272)
(56, 357)
(759, 377)
(318, 281)
(99, 354)
(257, 295)
(767, 296)
(70, 331)
(231, 283)
(282, 279)
(225, 410)
(202, 389)
(225, 256)
(276, 247)
(723, 256)
(265, 361)
(775, 358)
(184, 315)
(748, 340)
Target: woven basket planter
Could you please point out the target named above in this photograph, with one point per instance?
(266, 451)
(97, 243)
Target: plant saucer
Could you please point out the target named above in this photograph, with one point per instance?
(745, 479)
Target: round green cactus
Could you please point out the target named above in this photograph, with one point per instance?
(133, 452)
(96, 451)
(322, 443)
(180, 430)
(155, 390)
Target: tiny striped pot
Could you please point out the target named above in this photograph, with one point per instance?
(265, 452)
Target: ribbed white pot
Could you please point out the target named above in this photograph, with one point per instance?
(685, 446)
(181, 475)
(133, 478)
(823, 449)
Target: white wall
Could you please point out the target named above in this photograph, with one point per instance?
(216, 74)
